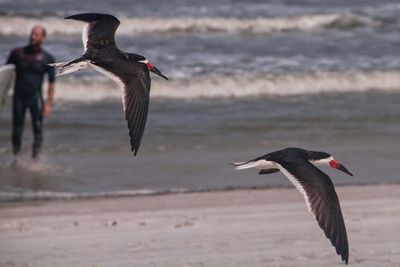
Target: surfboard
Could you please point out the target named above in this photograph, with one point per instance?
(7, 79)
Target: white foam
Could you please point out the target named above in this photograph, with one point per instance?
(52, 195)
(14, 25)
(98, 88)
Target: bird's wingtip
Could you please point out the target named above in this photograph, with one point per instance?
(346, 259)
(77, 16)
(73, 16)
(91, 17)
(238, 165)
(233, 164)
(135, 150)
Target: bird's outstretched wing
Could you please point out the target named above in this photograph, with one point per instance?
(99, 31)
(136, 106)
(135, 89)
(322, 201)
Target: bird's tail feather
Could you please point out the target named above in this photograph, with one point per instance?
(69, 67)
(245, 165)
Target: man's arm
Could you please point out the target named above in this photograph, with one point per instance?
(49, 101)
(11, 57)
(50, 94)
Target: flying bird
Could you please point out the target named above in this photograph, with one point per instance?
(130, 71)
(298, 165)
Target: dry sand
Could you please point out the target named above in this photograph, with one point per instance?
(237, 228)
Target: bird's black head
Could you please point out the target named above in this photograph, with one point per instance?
(150, 66)
(323, 158)
(318, 156)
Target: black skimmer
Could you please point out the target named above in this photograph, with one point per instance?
(129, 71)
(316, 187)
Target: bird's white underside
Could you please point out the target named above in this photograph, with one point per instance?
(113, 77)
(64, 68)
(85, 36)
(298, 186)
(265, 164)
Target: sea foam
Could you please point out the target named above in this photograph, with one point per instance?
(239, 86)
(18, 25)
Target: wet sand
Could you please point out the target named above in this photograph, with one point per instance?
(269, 227)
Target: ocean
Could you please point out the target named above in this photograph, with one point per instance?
(246, 78)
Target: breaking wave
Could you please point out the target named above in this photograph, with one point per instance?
(18, 25)
(218, 86)
(50, 195)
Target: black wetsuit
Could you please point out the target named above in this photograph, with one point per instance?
(31, 65)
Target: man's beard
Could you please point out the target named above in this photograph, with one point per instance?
(35, 44)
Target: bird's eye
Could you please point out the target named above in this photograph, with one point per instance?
(104, 41)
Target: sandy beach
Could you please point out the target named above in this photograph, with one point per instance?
(268, 227)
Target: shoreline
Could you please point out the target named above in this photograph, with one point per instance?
(268, 227)
(39, 196)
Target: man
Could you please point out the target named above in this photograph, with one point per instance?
(31, 64)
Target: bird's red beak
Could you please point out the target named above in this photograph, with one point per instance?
(155, 70)
(336, 165)
(150, 66)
